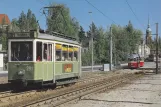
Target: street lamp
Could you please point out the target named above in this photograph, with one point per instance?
(91, 40)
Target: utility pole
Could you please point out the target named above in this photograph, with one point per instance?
(115, 54)
(92, 50)
(110, 48)
(156, 48)
(92, 42)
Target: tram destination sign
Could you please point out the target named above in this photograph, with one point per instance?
(22, 34)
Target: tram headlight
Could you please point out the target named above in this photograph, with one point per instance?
(22, 72)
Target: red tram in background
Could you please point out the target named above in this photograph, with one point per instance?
(135, 61)
(141, 61)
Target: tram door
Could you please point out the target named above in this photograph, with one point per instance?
(47, 62)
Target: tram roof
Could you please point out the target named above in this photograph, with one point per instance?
(37, 35)
(56, 38)
(133, 56)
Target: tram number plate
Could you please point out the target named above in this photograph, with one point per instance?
(68, 67)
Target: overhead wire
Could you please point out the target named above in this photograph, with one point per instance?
(135, 14)
(53, 20)
(42, 13)
(100, 11)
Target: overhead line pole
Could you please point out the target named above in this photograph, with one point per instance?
(110, 48)
(156, 48)
(92, 42)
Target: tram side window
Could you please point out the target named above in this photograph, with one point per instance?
(58, 52)
(49, 52)
(65, 53)
(45, 52)
(70, 50)
(75, 56)
(39, 51)
(70, 56)
(58, 55)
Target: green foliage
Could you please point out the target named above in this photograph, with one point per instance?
(125, 41)
(15, 25)
(59, 20)
(25, 22)
(100, 45)
(4, 41)
(81, 34)
(3, 35)
(86, 58)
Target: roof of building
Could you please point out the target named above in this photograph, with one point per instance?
(4, 16)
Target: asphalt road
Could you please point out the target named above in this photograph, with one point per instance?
(90, 69)
(99, 67)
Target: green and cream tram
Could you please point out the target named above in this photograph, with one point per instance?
(36, 57)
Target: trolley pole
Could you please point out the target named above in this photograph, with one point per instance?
(156, 48)
(110, 48)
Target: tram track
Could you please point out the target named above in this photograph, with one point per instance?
(45, 94)
(78, 93)
(9, 95)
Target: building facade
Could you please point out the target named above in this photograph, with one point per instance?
(143, 50)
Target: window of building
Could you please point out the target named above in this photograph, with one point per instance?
(22, 51)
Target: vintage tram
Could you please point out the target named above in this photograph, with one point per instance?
(134, 61)
(40, 58)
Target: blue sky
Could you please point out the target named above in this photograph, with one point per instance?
(117, 10)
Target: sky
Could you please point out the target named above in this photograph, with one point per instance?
(117, 10)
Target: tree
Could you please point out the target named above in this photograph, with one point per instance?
(26, 22)
(59, 20)
(31, 20)
(22, 21)
(15, 25)
(81, 35)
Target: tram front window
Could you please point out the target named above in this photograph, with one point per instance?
(21, 51)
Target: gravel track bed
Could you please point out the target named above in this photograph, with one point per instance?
(41, 95)
(6, 98)
(81, 91)
(9, 97)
